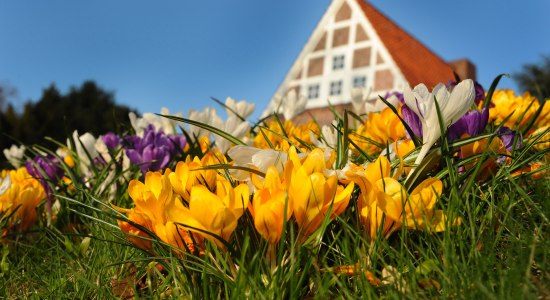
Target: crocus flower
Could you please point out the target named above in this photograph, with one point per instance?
(208, 116)
(359, 97)
(234, 126)
(217, 214)
(20, 194)
(472, 123)
(385, 202)
(261, 159)
(313, 194)
(154, 151)
(167, 126)
(509, 137)
(290, 105)
(494, 149)
(544, 142)
(85, 149)
(452, 107)
(188, 174)
(159, 210)
(328, 138)
(518, 110)
(111, 140)
(479, 91)
(273, 137)
(106, 150)
(420, 212)
(268, 207)
(45, 168)
(379, 129)
(414, 122)
(293, 105)
(369, 201)
(14, 155)
(393, 98)
(242, 108)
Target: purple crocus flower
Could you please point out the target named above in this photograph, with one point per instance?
(398, 95)
(473, 123)
(408, 115)
(178, 141)
(154, 151)
(412, 120)
(45, 168)
(111, 140)
(480, 92)
(507, 136)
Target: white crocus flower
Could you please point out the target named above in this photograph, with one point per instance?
(137, 123)
(242, 108)
(168, 126)
(378, 105)
(15, 155)
(5, 183)
(359, 99)
(293, 105)
(208, 117)
(85, 149)
(102, 150)
(234, 126)
(290, 106)
(256, 158)
(273, 107)
(329, 137)
(452, 107)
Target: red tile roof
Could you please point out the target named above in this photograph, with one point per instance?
(417, 63)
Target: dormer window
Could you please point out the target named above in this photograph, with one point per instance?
(338, 62)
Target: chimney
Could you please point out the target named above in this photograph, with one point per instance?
(464, 68)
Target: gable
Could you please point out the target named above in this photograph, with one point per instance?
(350, 48)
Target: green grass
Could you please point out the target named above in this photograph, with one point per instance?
(500, 251)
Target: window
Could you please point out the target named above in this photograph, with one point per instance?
(336, 88)
(313, 91)
(359, 81)
(338, 62)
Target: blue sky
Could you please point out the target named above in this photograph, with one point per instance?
(179, 53)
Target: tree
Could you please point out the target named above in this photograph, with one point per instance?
(6, 91)
(87, 108)
(535, 78)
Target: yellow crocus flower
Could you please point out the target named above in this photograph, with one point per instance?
(20, 193)
(520, 108)
(312, 193)
(382, 127)
(136, 235)
(268, 206)
(494, 147)
(152, 196)
(188, 174)
(419, 209)
(385, 202)
(155, 207)
(295, 134)
(218, 213)
(179, 236)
